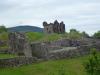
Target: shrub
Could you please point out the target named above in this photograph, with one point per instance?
(93, 65)
(97, 35)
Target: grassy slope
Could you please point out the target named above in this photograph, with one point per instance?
(4, 56)
(4, 36)
(71, 67)
(35, 36)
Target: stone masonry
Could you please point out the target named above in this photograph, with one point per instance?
(19, 44)
(55, 27)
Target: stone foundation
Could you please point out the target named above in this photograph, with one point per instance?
(76, 52)
(18, 61)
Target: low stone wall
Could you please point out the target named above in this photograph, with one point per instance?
(41, 50)
(53, 55)
(65, 43)
(18, 61)
(4, 51)
(79, 51)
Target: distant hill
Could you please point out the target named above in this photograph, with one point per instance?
(25, 28)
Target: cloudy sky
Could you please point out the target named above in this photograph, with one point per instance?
(83, 15)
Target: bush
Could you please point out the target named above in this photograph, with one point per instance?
(93, 65)
(97, 35)
(74, 34)
(3, 29)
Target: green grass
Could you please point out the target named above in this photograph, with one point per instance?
(4, 47)
(37, 36)
(70, 67)
(4, 56)
(4, 36)
(51, 37)
(41, 37)
(34, 36)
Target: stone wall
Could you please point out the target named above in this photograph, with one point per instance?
(55, 27)
(79, 51)
(5, 51)
(41, 50)
(19, 44)
(65, 43)
(51, 55)
(18, 61)
(44, 55)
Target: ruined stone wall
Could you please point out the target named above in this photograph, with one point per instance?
(41, 50)
(19, 44)
(53, 55)
(18, 61)
(65, 43)
(54, 50)
(5, 51)
(55, 27)
(79, 51)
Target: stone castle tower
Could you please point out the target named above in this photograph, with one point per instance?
(55, 27)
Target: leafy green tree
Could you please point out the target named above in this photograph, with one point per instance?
(74, 34)
(93, 65)
(97, 35)
(3, 29)
(84, 34)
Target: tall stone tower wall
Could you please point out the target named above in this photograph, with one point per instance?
(55, 27)
(19, 44)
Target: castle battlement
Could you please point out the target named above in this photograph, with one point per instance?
(55, 27)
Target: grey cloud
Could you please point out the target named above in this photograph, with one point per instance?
(74, 13)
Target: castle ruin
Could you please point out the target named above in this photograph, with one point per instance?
(19, 44)
(55, 27)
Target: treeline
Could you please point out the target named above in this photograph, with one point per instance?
(72, 34)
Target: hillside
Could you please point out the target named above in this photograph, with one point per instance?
(25, 28)
(40, 37)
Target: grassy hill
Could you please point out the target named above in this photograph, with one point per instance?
(68, 66)
(25, 28)
(36, 36)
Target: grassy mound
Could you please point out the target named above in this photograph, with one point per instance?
(35, 36)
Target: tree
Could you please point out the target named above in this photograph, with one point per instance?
(3, 29)
(74, 34)
(93, 65)
(97, 35)
(84, 34)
